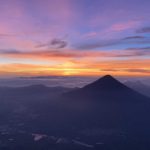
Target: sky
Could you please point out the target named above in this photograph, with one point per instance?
(74, 37)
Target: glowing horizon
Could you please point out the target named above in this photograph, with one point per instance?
(74, 38)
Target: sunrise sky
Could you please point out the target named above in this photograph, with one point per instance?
(74, 37)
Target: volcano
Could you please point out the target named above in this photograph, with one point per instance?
(107, 103)
(106, 88)
(105, 111)
(105, 83)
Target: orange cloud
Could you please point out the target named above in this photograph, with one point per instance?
(74, 62)
(81, 67)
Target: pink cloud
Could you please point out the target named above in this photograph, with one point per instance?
(124, 26)
(90, 35)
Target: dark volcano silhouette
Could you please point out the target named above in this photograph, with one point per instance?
(106, 88)
(107, 103)
(105, 83)
(104, 111)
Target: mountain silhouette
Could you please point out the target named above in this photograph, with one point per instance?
(105, 83)
(106, 88)
(105, 111)
(108, 104)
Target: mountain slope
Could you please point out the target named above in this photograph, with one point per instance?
(105, 83)
(105, 112)
(106, 88)
(139, 87)
(109, 104)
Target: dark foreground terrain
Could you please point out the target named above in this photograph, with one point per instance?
(104, 115)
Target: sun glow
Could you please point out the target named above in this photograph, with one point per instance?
(80, 68)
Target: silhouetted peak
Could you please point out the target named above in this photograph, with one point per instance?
(105, 88)
(106, 82)
(107, 77)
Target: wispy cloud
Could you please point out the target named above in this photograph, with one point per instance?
(144, 51)
(59, 43)
(134, 37)
(113, 42)
(143, 30)
(54, 43)
(139, 70)
(48, 54)
(96, 44)
(130, 70)
(124, 26)
(5, 35)
(9, 51)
